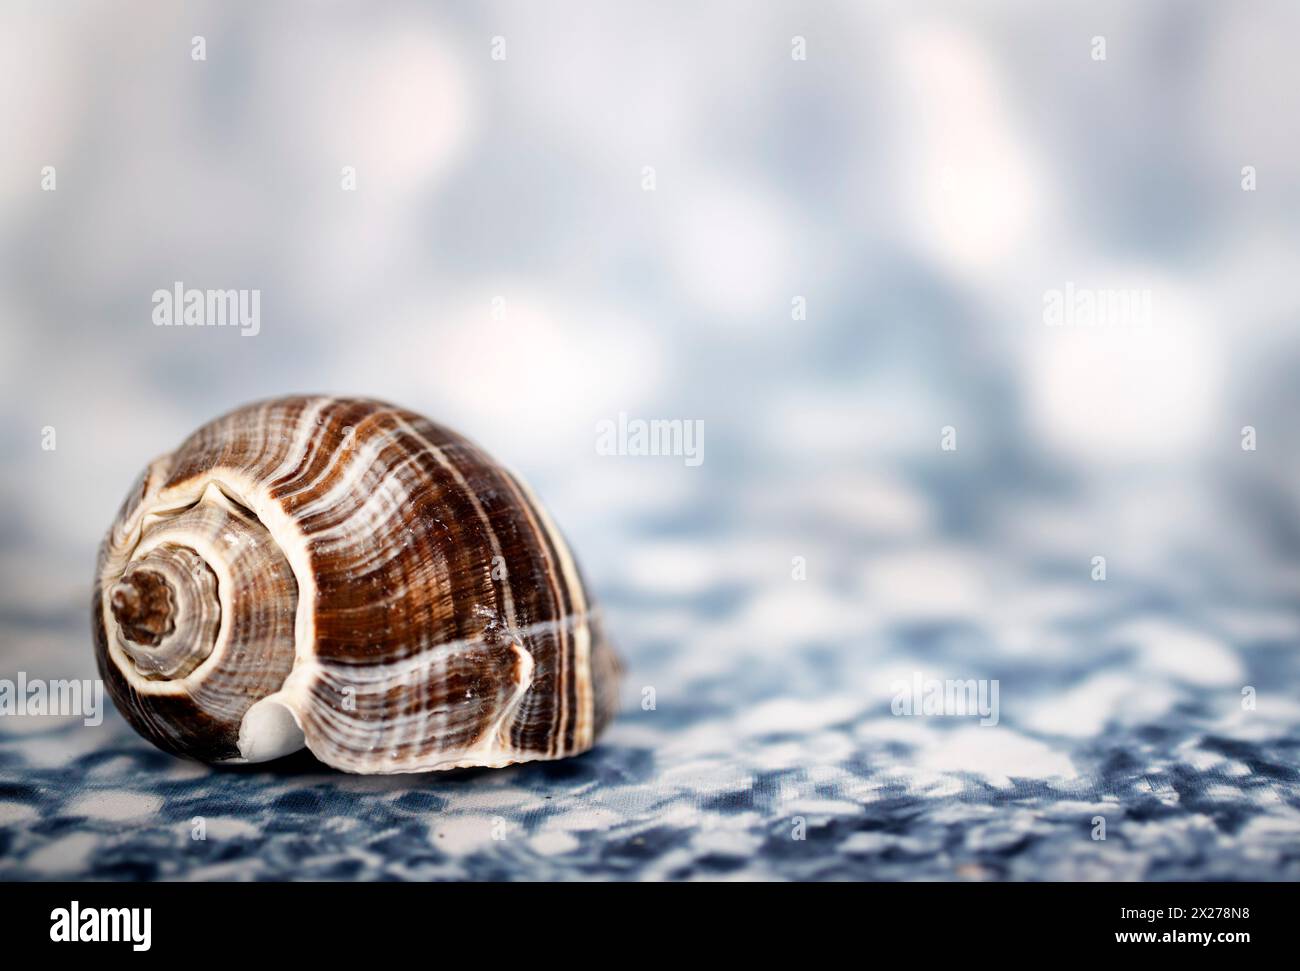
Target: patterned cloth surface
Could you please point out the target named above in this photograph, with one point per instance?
(759, 738)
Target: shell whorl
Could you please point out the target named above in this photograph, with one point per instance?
(350, 576)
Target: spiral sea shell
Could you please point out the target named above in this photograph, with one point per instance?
(345, 574)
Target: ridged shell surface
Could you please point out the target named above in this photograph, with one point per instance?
(348, 575)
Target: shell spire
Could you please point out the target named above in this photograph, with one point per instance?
(346, 575)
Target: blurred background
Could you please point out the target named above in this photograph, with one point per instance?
(830, 232)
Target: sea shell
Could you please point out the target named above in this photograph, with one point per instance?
(345, 574)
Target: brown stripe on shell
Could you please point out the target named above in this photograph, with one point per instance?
(435, 586)
(557, 734)
(538, 593)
